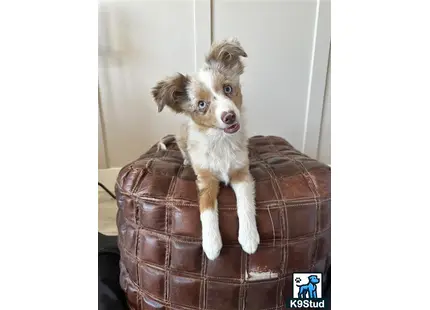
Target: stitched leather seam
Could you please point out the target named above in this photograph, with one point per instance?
(205, 277)
(142, 291)
(277, 190)
(136, 220)
(314, 189)
(162, 200)
(195, 275)
(242, 280)
(285, 211)
(193, 240)
(285, 227)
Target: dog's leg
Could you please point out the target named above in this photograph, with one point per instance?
(162, 144)
(182, 141)
(187, 160)
(243, 186)
(208, 187)
(182, 145)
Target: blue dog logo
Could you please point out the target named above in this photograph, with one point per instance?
(308, 290)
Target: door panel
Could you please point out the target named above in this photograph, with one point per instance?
(279, 37)
(324, 152)
(140, 42)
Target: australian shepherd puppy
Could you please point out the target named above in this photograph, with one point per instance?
(214, 141)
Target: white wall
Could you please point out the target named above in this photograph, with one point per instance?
(324, 151)
(102, 155)
(143, 41)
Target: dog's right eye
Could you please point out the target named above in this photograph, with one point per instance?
(202, 104)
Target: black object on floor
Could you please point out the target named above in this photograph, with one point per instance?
(111, 296)
(106, 190)
(327, 289)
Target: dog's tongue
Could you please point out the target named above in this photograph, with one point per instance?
(233, 128)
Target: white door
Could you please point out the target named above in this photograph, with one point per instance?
(141, 42)
(324, 149)
(287, 43)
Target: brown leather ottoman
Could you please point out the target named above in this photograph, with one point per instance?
(162, 263)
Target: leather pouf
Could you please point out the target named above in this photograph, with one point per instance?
(162, 262)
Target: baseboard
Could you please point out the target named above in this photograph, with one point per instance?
(108, 177)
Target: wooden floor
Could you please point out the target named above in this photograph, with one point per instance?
(107, 214)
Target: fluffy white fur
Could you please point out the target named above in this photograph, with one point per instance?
(211, 236)
(220, 153)
(217, 151)
(248, 234)
(214, 149)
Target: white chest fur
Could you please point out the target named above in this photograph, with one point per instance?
(217, 151)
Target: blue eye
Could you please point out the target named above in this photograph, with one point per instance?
(228, 89)
(202, 104)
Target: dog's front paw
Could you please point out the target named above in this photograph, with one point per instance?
(212, 245)
(211, 236)
(249, 238)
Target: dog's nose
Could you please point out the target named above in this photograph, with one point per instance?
(228, 117)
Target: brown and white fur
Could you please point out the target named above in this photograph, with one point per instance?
(214, 141)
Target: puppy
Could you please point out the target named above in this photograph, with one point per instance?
(214, 141)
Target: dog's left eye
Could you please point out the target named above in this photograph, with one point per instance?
(202, 104)
(228, 89)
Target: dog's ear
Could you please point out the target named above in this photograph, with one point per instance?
(172, 92)
(226, 55)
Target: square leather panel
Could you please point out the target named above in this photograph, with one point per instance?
(186, 256)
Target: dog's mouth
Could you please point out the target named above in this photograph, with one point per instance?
(233, 128)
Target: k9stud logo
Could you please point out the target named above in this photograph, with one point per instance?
(307, 292)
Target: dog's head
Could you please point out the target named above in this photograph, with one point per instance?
(313, 279)
(212, 97)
